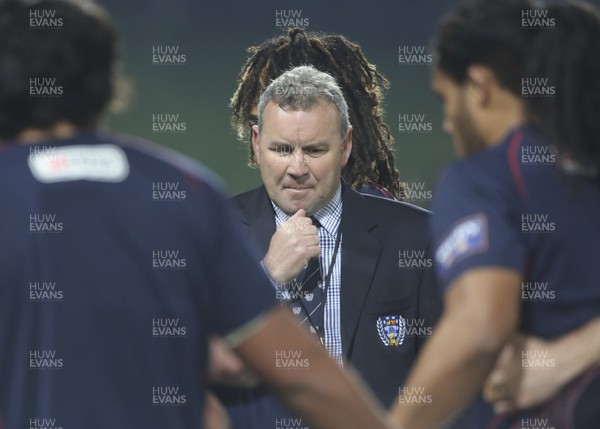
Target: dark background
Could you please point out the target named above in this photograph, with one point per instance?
(214, 37)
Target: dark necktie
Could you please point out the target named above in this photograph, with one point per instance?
(308, 304)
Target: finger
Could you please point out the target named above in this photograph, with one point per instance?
(503, 407)
(313, 251)
(297, 225)
(522, 402)
(506, 356)
(311, 240)
(304, 222)
(306, 242)
(311, 230)
(299, 214)
(494, 392)
(488, 393)
(496, 377)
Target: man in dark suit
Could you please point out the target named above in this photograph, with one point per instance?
(375, 301)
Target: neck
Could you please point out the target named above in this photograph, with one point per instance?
(60, 130)
(507, 115)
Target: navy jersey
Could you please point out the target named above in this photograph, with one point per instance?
(372, 188)
(510, 206)
(117, 259)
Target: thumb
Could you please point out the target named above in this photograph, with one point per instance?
(300, 213)
(503, 407)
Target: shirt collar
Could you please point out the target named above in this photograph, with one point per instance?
(329, 215)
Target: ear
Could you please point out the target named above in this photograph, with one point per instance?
(255, 142)
(347, 146)
(482, 83)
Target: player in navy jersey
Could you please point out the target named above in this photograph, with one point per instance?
(118, 259)
(515, 221)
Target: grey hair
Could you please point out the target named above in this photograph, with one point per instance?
(300, 89)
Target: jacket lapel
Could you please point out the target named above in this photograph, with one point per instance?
(258, 215)
(360, 255)
(360, 252)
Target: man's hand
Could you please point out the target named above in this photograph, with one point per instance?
(214, 416)
(226, 368)
(292, 246)
(480, 316)
(319, 391)
(514, 386)
(502, 385)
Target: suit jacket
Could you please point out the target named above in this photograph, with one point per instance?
(382, 242)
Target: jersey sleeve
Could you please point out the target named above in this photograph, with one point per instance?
(474, 224)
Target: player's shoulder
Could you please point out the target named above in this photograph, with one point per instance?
(150, 155)
(243, 198)
(251, 201)
(491, 179)
(387, 210)
(87, 150)
(490, 170)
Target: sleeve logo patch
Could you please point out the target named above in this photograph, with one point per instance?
(468, 237)
(100, 163)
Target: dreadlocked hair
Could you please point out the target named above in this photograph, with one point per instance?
(564, 55)
(372, 156)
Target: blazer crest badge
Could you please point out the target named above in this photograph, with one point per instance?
(392, 330)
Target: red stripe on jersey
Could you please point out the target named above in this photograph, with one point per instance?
(384, 192)
(513, 163)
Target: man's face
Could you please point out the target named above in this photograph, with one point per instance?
(459, 119)
(300, 155)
